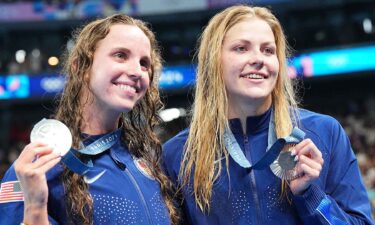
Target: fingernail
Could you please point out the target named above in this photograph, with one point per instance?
(296, 158)
(293, 152)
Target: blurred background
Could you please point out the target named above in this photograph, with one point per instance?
(333, 60)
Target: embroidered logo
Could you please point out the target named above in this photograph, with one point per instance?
(11, 192)
(90, 180)
(142, 166)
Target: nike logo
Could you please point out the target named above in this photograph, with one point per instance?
(93, 179)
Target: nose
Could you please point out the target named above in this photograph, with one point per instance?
(256, 59)
(134, 69)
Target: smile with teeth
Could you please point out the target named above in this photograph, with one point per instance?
(125, 87)
(254, 76)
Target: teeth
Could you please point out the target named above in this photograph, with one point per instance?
(126, 88)
(254, 76)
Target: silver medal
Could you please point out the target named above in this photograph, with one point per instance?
(284, 166)
(53, 133)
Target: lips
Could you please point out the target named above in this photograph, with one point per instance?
(126, 86)
(254, 76)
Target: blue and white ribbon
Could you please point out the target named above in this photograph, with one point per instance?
(273, 150)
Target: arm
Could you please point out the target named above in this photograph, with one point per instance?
(171, 159)
(29, 169)
(341, 198)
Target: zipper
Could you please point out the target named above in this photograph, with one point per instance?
(253, 184)
(140, 194)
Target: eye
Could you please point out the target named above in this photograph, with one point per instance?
(120, 55)
(269, 50)
(240, 49)
(145, 64)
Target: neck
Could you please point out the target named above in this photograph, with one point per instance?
(242, 111)
(99, 121)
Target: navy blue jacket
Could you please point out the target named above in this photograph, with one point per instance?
(337, 197)
(124, 194)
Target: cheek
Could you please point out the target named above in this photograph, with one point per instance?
(227, 61)
(146, 82)
(230, 69)
(275, 65)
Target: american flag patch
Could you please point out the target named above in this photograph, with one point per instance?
(11, 192)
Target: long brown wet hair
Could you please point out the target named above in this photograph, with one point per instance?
(138, 123)
(205, 144)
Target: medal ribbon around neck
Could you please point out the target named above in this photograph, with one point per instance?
(274, 148)
(99, 146)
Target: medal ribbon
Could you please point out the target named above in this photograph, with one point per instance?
(99, 146)
(273, 149)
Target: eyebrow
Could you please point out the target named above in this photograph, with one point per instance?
(119, 49)
(249, 42)
(128, 50)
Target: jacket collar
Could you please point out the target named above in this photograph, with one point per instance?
(254, 124)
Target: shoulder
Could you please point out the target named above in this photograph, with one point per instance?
(174, 147)
(318, 123)
(310, 118)
(10, 175)
(177, 142)
(323, 129)
(11, 198)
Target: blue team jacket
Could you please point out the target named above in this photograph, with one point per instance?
(124, 194)
(253, 198)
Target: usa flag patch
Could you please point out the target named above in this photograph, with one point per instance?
(11, 192)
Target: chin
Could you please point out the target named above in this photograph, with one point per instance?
(257, 97)
(123, 108)
(127, 109)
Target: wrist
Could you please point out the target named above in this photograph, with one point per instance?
(300, 192)
(35, 214)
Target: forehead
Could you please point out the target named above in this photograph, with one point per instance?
(251, 27)
(127, 36)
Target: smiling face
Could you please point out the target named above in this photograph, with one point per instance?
(119, 75)
(250, 66)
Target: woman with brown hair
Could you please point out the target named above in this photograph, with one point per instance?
(250, 155)
(111, 96)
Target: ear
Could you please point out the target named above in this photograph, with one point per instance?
(74, 65)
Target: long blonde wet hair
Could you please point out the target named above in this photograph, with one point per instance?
(138, 124)
(205, 143)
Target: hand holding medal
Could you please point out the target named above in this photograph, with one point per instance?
(310, 163)
(57, 136)
(50, 139)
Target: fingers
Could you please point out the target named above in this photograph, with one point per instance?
(36, 156)
(309, 149)
(41, 170)
(309, 167)
(310, 160)
(34, 150)
(46, 162)
(304, 160)
(31, 168)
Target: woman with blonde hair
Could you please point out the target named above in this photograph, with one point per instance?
(109, 105)
(250, 155)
